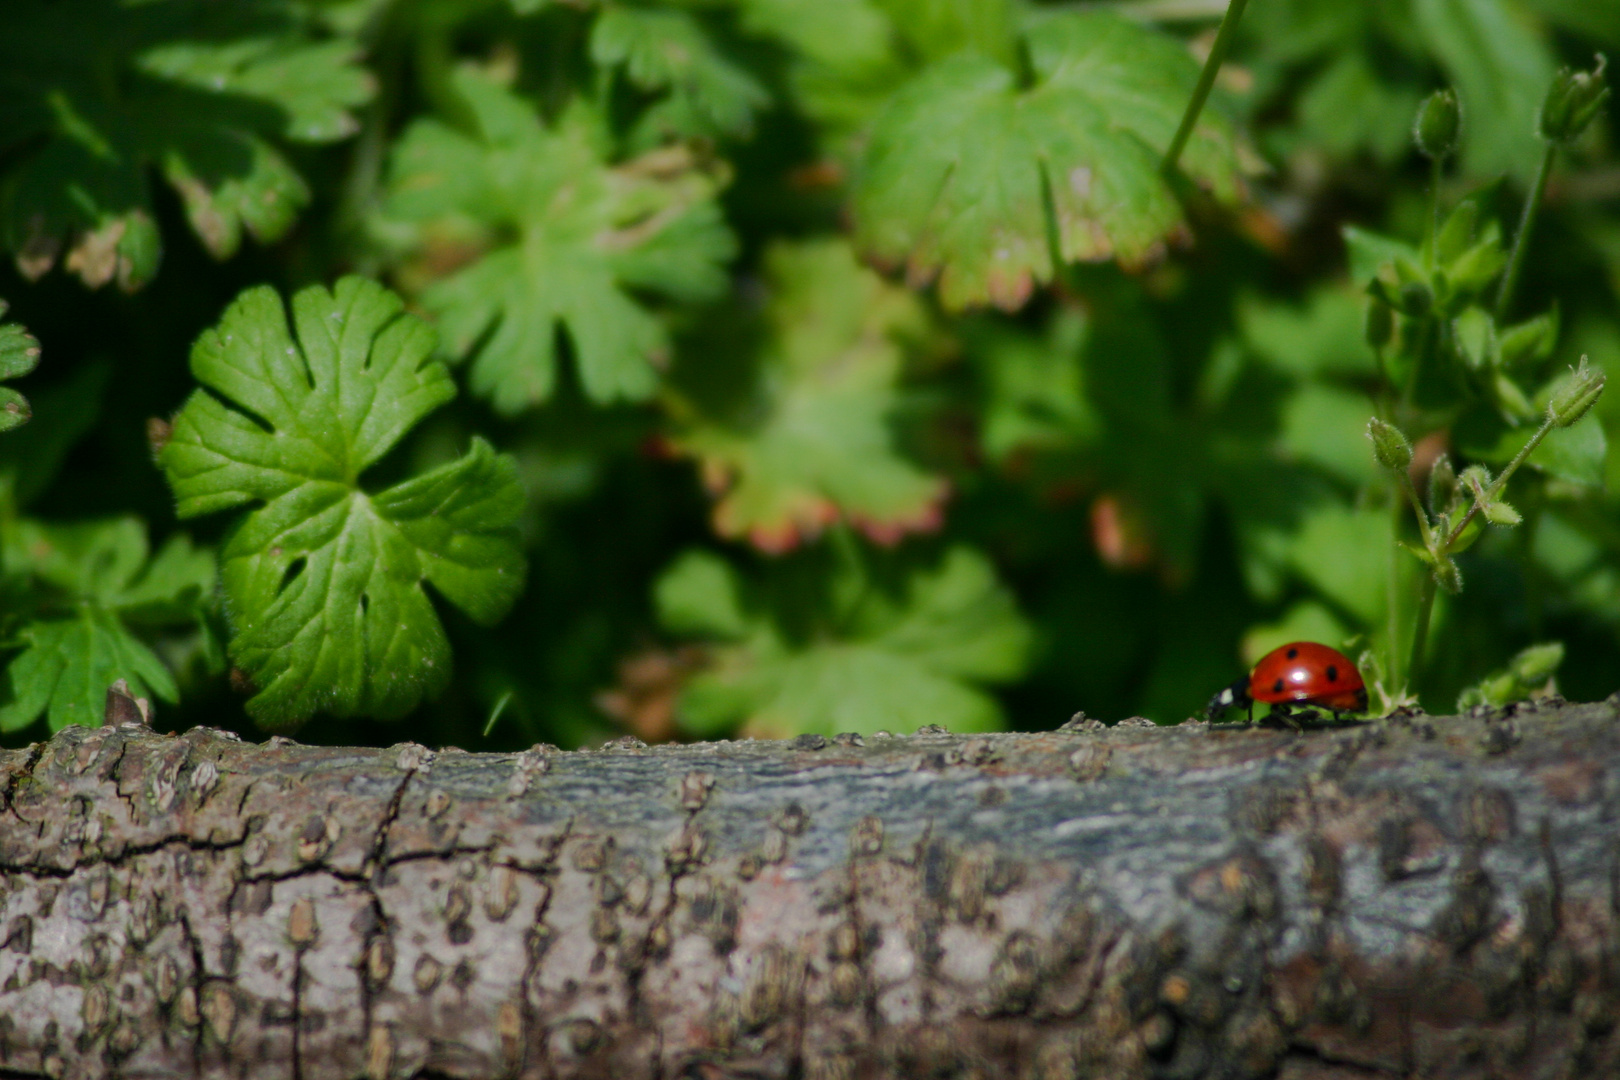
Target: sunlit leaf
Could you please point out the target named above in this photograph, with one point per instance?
(326, 581)
(798, 436)
(891, 660)
(86, 589)
(95, 95)
(969, 176)
(560, 239)
(669, 51)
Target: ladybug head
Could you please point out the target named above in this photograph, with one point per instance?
(1234, 696)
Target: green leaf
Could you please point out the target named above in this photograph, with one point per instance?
(964, 164)
(698, 596)
(1344, 554)
(1575, 454)
(707, 94)
(1470, 273)
(66, 666)
(1370, 253)
(800, 437)
(1035, 389)
(1599, 21)
(63, 412)
(19, 353)
(1537, 663)
(1324, 426)
(1323, 336)
(846, 57)
(325, 581)
(1475, 333)
(1499, 512)
(564, 238)
(89, 585)
(1529, 671)
(97, 95)
(894, 661)
(1350, 106)
(1529, 341)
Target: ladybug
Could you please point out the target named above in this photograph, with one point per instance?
(1298, 675)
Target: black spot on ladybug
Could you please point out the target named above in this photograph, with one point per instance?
(1277, 687)
(1332, 673)
(1293, 654)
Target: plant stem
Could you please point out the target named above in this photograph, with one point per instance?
(1206, 80)
(1425, 606)
(1497, 484)
(1434, 214)
(1424, 525)
(1384, 400)
(1393, 600)
(1521, 239)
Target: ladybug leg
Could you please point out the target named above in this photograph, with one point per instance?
(1284, 713)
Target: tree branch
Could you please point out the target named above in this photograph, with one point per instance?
(1410, 897)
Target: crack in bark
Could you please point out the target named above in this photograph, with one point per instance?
(122, 857)
(376, 863)
(199, 979)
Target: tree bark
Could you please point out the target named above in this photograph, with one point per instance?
(1417, 896)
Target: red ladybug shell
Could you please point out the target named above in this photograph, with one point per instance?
(1313, 674)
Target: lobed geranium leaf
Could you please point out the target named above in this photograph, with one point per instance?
(848, 56)
(96, 94)
(970, 177)
(800, 437)
(82, 590)
(325, 581)
(705, 93)
(897, 660)
(563, 239)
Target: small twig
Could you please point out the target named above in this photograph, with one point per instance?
(1206, 80)
(1521, 239)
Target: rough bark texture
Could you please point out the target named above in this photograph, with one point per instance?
(1420, 896)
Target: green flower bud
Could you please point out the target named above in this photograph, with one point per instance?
(1572, 100)
(1442, 485)
(1498, 512)
(1435, 129)
(1535, 665)
(1416, 299)
(1389, 445)
(1447, 576)
(1379, 326)
(1577, 395)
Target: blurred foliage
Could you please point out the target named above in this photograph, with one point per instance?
(846, 365)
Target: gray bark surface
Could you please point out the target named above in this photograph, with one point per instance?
(1432, 897)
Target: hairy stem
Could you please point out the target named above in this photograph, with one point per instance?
(1206, 80)
(1404, 478)
(1497, 485)
(1434, 213)
(1521, 239)
(1393, 593)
